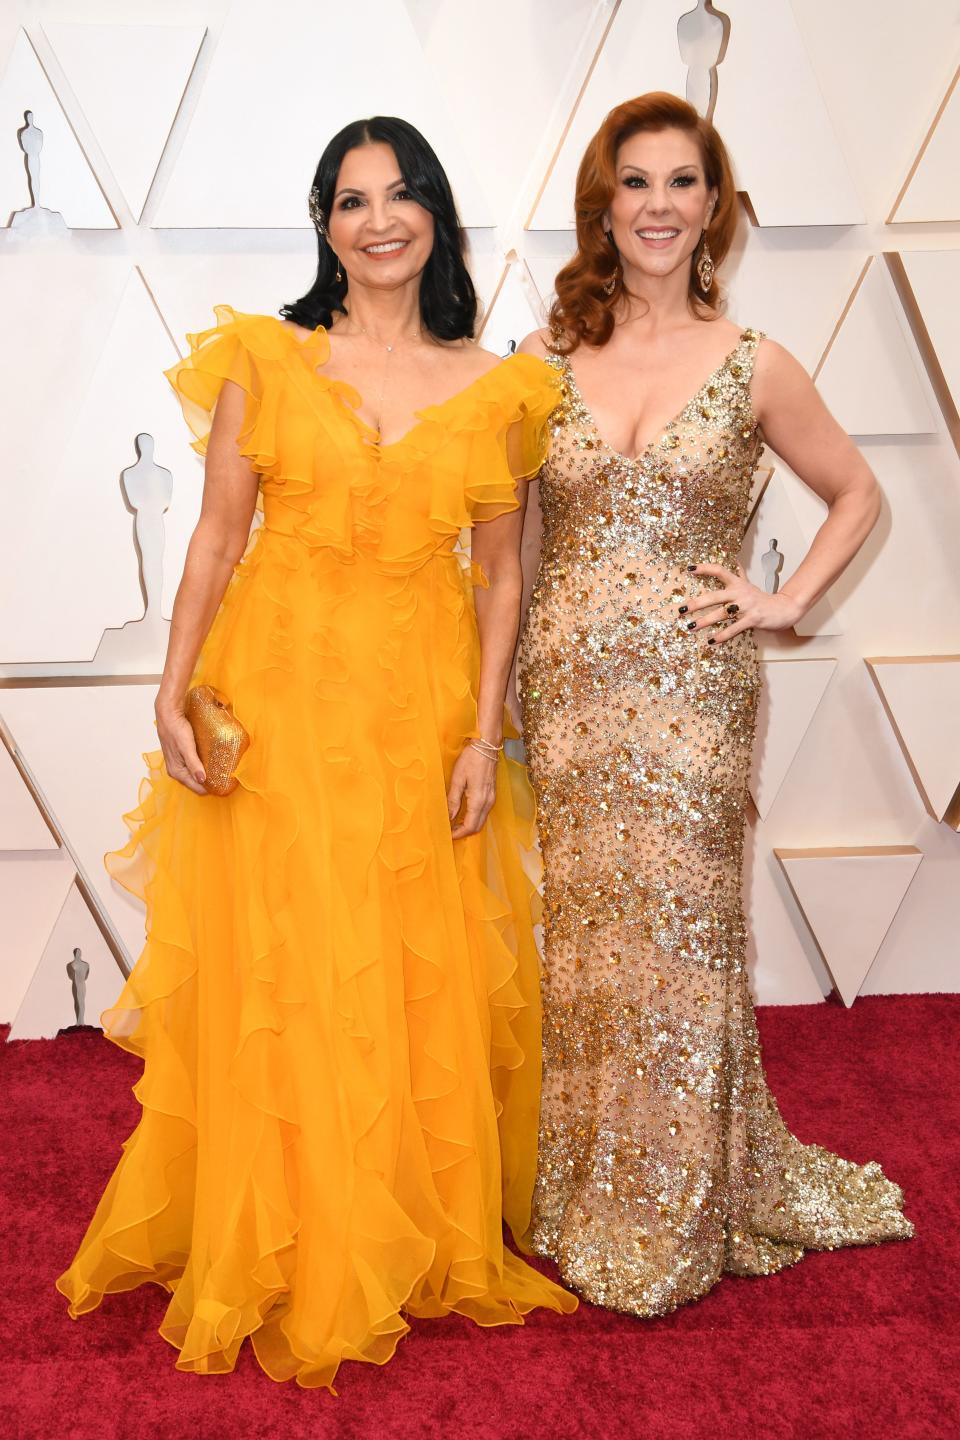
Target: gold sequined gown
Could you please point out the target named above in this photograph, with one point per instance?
(663, 1157)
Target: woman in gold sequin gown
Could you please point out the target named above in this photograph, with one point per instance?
(663, 1157)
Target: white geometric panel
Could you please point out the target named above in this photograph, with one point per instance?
(791, 693)
(881, 80)
(921, 695)
(48, 1004)
(510, 87)
(789, 288)
(514, 311)
(77, 296)
(66, 182)
(129, 80)
(934, 275)
(870, 377)
(640, 53)
(849, 896)
(95, 585)
(185, 288)
(771, 114)
(545, 268)
(83, 747)
(933, 190)
(259, 86)
(774, 520)
(32, 892)
(22, 826)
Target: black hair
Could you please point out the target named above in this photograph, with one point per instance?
(448, 301)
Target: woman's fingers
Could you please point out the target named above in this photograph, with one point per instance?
(719, 572)
(179, 769)
(474, 817)
(737, 627)
(181, 758)
(714, 616)
(189, 756)
(700, 602)
(458, 783)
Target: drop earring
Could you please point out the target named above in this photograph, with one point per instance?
(705, 268)
(610, 285)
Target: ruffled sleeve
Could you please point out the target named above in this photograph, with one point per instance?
(522, 396)
(253, 352)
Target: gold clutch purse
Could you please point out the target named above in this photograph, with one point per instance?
(219, 737)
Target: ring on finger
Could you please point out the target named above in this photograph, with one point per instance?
(733, 609)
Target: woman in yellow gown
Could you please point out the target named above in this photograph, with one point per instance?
(337, 1004)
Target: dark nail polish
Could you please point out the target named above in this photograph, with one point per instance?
(711, 641)
(691, 624)
(683, 609)
(691, 568)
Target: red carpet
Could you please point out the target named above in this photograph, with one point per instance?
(856, 1343)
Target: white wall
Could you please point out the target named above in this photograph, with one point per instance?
(179, 140)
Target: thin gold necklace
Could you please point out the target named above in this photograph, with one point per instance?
(381, 344)
(388, 351)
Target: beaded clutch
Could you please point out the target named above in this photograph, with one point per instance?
(219, 737)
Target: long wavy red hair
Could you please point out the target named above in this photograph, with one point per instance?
(582, 312)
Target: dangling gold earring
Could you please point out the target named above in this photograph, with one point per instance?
(339, 277)
(705, 268)
(610, 285)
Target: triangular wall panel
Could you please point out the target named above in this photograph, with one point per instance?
(933, 190)
(129, 80)
(83, 747)
(96, 586)
(258, 85)
(32, 891)
(514, 312)
(640, 53)
(789, 290)
(870, 377)
(849, 896)
(22, 826)
(921, 696)
(933, 275)
(792, 691)
(48, 1005)
(771, 114)
(67, 184)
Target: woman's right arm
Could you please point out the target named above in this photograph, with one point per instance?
(217, 544)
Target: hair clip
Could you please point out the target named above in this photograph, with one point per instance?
(316, 214)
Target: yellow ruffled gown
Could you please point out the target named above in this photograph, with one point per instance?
(337, 1005)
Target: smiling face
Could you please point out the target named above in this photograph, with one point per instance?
(662, 203)
(382, 236)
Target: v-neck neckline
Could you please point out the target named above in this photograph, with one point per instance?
(663, 430)
(370, 436)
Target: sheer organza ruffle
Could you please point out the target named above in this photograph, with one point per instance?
(337, 1007)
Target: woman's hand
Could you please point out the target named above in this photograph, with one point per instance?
(737, 606)
(179, 749)
(473, 787)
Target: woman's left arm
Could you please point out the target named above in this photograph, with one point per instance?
(495, 547)
(800, 429)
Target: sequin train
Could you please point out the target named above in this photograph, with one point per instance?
(663, 1157)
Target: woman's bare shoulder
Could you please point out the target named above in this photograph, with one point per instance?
(538, 342)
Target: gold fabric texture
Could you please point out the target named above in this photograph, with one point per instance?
(663, 1157)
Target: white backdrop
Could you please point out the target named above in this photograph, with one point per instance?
(179, 139)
